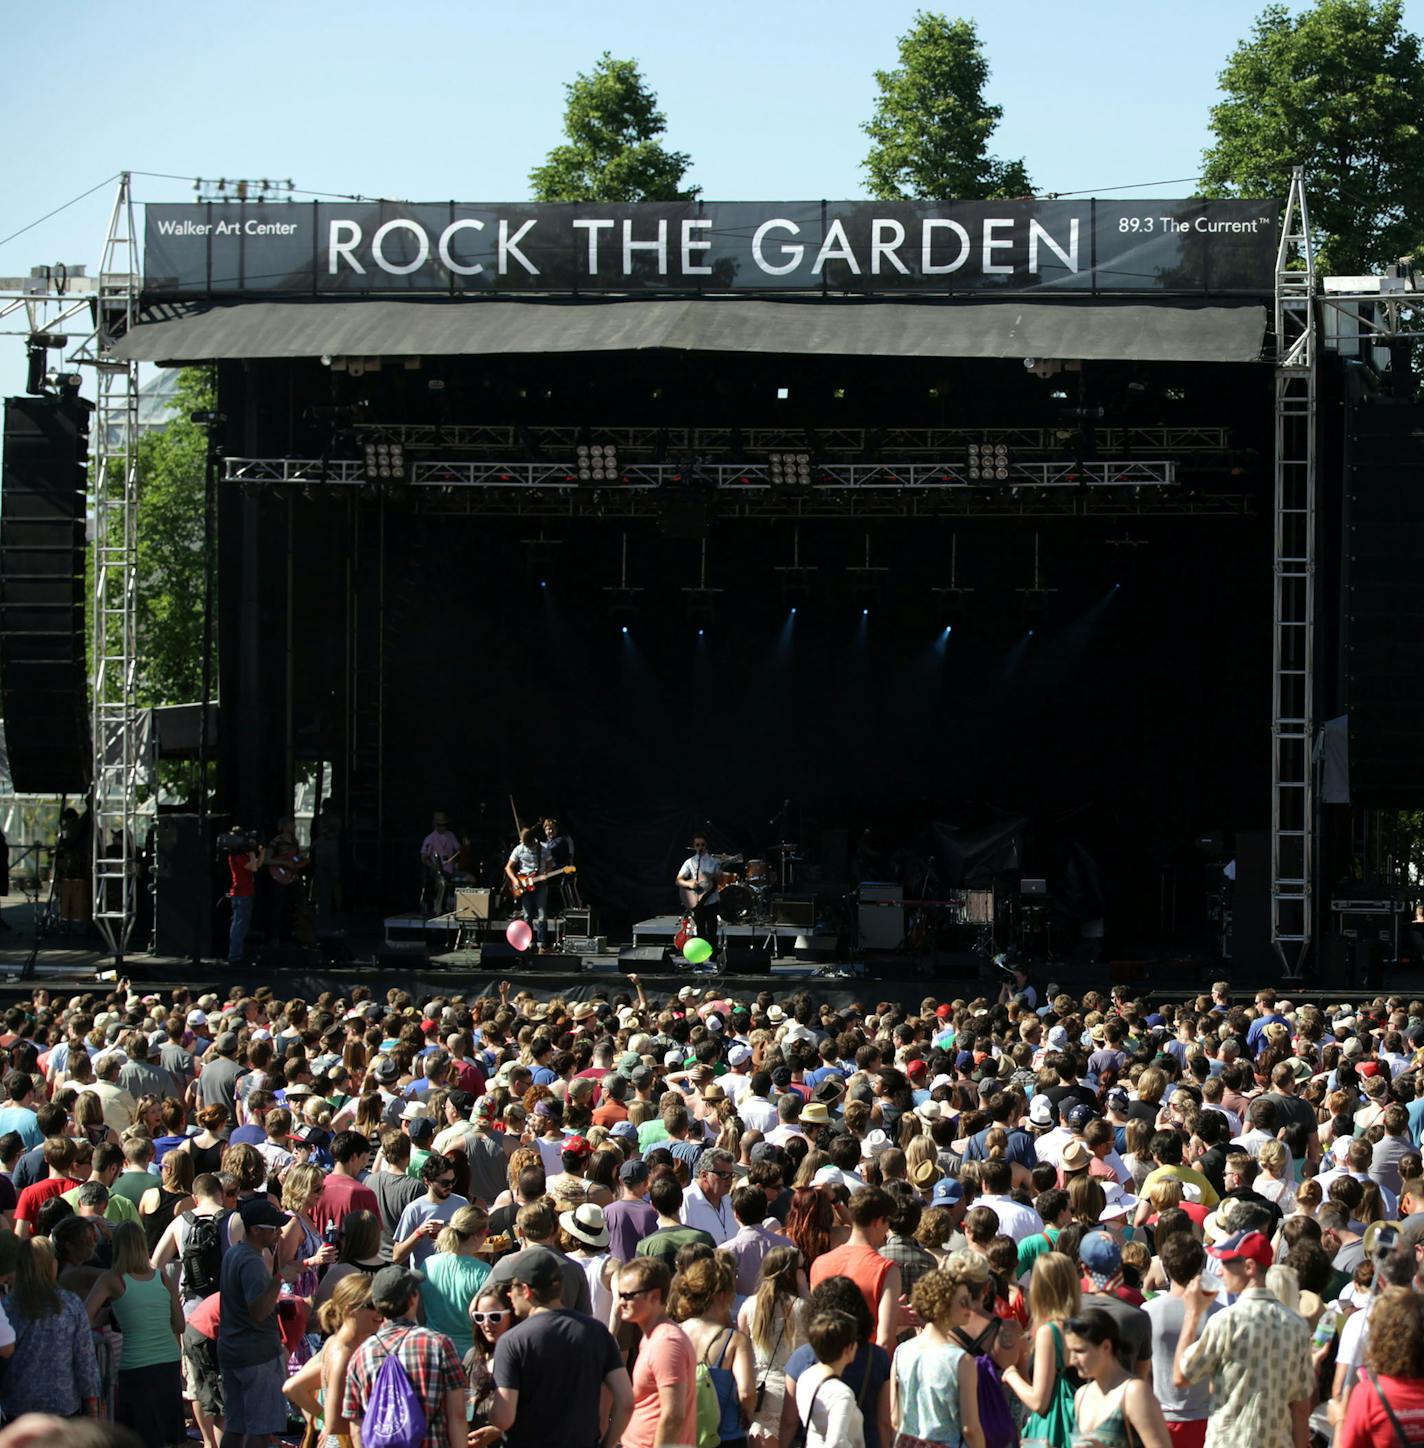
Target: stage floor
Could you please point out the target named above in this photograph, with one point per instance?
(658, 929)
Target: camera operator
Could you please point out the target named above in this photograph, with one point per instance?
(244, 861)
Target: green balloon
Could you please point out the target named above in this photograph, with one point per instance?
(696, 950)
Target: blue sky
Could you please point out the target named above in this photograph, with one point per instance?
(438, 100)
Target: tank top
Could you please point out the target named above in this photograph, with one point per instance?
(600, 1294)
(1113, 1429)
(143, 1316)
(206, 1158)
(155, 1223)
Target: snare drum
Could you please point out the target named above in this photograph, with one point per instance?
(758, 874)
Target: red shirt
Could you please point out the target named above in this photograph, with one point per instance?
(469, 1077)
(244, 881)
(34, 1197)
(205, 1315)
(341, 1195)
(1367, 1424)
(863, 1265)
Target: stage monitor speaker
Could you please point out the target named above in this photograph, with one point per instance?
(501, 955)
(190, 920)
(638, 958)
(43, 674)
(1384, 602)
(472, 903)
(747, 960)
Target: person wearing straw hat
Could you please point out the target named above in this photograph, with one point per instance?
(586, 1231)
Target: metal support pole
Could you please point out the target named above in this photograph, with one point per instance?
(1293, 620)
(115, 715)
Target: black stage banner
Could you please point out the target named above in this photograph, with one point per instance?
(863, 247)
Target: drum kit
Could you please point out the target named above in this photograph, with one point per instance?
(746, 890)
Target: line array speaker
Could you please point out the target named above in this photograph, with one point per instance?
(42, 659)
(1384, 603)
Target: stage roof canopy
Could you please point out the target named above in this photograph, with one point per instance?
(1091, 330)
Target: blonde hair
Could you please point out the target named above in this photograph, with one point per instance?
(301, 1181)
(349, 1295)
(469, 1221)
(1054, 1291)
(1273, 1157)
(130, 1249)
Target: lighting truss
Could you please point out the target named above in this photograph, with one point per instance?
(724, 478)
(911, 444)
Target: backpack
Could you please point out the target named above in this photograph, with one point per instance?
(202, 1255)
(394, 1415)
(709, 1411)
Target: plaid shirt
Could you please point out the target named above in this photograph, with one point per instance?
(912, 1260)
(430, 1362)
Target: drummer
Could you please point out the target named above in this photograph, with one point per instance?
(698, 882)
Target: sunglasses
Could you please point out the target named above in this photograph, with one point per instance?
(489, 1317)
(635, 1293)
(446, 1182)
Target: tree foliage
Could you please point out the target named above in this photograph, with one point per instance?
(931, 128)
(614, 151)
(1339, 90)
(171, 465)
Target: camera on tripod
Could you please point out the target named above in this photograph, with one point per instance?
(238, 842)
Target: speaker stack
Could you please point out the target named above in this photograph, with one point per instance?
(42, 658)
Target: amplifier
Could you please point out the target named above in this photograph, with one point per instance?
(795, 912)
(586, 944)
(580, 921)
(881, 929)
(472, 904)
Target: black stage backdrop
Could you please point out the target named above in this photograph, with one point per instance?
(1130, 720)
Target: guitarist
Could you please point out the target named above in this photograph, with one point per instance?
(697, 881)
(557, 850)
(287, 863)
(439, 851)
(527, 858)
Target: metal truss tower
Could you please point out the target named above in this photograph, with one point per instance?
(1293, 625)
(117, 765)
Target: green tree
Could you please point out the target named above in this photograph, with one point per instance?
(1339, 90)
(931, 128)
(171, 465)
(614, 151)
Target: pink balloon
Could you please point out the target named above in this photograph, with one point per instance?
(518, 934)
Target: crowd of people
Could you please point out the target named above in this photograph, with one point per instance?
(719, 1221)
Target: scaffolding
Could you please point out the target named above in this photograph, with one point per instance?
(117, 758)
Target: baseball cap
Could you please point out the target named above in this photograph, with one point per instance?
(1080, 1116)
(916, 1069)
(576, 1146)
(1118, 1099)
(1100, 1255)
(226, 1043)
(259, 1212)
(943, 1012)
(633, 1172)
(536, 1267)
(829, 1176)
(624, 1129)
(392, 1286)
(1252, 1245)
(197, 1018)
(947, 1193)
(739, 1055)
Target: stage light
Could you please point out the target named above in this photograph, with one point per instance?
(625, 628)
(384, 460)
(865, 613)
(700, 632)
(543, 583)
(947, 631)
(1030, 632)
(793, 608)
(789, 470)
(988, 461)
(782, 393)
(596, 462)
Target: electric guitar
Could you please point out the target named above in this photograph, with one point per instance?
(285, 868)
(522, 884)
